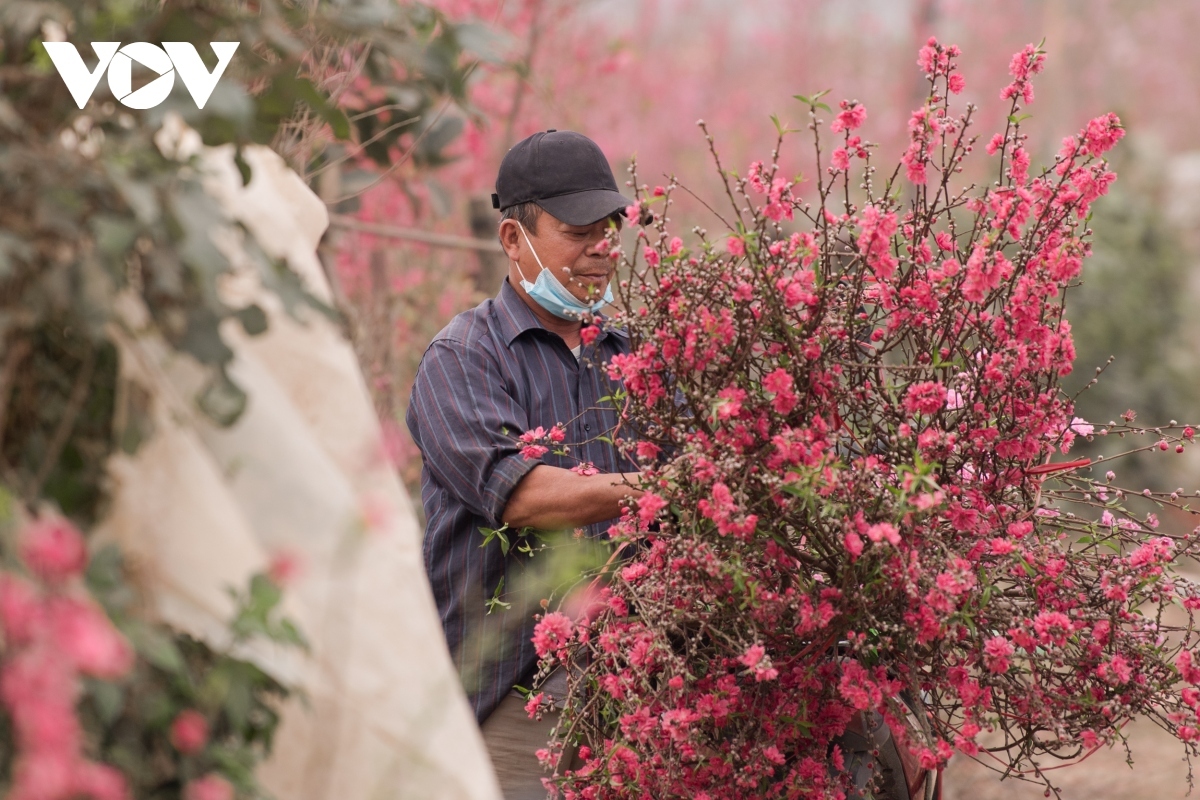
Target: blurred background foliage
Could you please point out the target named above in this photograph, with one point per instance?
(96, 216)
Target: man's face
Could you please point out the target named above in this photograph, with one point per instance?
(562, 245)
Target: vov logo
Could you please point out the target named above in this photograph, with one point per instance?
(171, 58)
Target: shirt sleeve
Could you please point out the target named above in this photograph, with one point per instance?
(466, 426)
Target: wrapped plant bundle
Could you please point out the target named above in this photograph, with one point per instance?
(846, 410)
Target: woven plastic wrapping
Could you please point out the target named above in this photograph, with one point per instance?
(199, 508)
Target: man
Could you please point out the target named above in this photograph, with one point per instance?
(515, 363)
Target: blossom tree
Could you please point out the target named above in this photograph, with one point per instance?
(847, 405)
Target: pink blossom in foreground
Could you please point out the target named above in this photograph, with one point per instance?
(53, 637)
(285, 567)
(997, 652)
(1081, 426)
(209, 787)
(21, 611)
(53, 549)
(551, 633)
(1024, 65)
(533, 451)
(926, 397)
(85, 635)
(189, 732)
(100, 782)
(850, 117)
(534, 704)
(854, 425)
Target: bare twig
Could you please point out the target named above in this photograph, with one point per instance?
(66, 423)
(415, 235)
(12, 361)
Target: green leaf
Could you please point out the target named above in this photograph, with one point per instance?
(238, 700)
(215, 686)
(114, 235)
(235, 764)
(155, 646)
(108, 698)
(253, 319)
(495, 602)
(154, 706)
(138, 195)
(197, 215)
(337, 120)
(438, 137)
(500, 534)
(812, 101)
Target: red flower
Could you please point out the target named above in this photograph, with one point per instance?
(531, 451)
(851, 117)
(21, 610)
(210, 787)
(551, 633)
(53, 549)
(189, 732)
(926, 397)
(997, 651)
(84, 633)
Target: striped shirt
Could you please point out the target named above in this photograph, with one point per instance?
(493, 373)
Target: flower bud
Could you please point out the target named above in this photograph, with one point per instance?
(189, 732)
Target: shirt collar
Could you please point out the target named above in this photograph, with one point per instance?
(515, 317)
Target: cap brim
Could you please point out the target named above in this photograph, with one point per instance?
(584, 208)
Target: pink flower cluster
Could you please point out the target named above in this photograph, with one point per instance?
(780, 200)
(54, 636)
(538, 441)
(1023, 67)
(852, 425)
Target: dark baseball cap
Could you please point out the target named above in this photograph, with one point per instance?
(563, 172)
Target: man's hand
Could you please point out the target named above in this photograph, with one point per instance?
(552, 498)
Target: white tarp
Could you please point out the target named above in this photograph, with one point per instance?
(199, 508)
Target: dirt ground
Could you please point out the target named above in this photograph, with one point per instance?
(1158, 773)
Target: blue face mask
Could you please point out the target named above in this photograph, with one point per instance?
(549, 293)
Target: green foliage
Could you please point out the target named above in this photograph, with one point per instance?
(94, 211)
(256, 614)
(129, 721)
(58, 430)
(93, 208)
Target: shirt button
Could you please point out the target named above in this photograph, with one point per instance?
(587, 427)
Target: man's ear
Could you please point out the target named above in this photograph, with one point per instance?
(510, 239)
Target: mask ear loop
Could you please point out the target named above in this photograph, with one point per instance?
(535, 255)
(532, 250)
